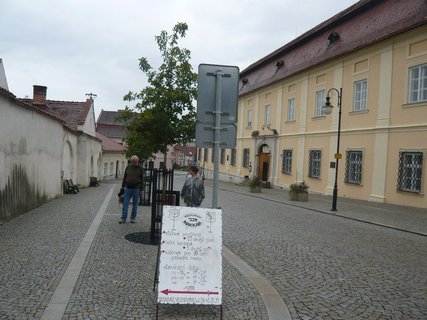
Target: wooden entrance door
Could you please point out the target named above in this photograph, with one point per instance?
(263, 166)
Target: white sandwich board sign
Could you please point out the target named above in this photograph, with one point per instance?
(190, 269)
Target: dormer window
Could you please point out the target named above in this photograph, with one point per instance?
(333, 38)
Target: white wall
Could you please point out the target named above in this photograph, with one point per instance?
(30, 158)
(113, 157)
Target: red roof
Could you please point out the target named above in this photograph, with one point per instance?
(72, 112)
(109, 144)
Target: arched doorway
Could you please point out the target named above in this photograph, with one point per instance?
(263, 162)
(67, 161)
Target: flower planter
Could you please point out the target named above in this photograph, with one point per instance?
(298, 196)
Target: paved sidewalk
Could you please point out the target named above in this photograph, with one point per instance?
(404, 218)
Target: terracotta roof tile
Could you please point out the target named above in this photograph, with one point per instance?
(25, 104)
(74, 113)
(71, 112)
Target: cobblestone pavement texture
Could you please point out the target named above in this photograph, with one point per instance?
(324, 265)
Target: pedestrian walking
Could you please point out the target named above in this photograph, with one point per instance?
(193, 190)
(132, 182)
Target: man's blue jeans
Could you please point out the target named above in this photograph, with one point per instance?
(134, 194)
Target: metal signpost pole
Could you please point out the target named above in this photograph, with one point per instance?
(217, 96)
(217, 140)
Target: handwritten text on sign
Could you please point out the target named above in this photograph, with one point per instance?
(190, 269)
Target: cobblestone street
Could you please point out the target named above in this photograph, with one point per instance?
(322, 265)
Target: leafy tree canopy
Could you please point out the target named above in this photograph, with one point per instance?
(164, 113)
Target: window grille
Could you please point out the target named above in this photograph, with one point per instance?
(418, 84)
(287, 161)
(233, 157)
(199, 154)
(360, 89)
(410, 171)
(246, 158)
(353, 167)
(222, 159)
(314, 163)
(205, 154)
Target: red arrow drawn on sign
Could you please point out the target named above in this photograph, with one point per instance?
(167, 291)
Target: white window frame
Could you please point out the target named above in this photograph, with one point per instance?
(291, 110)
(417, 91)
(360, 93)
(181, 158)
(315, 165)
(267, 114)
(249, 124)
(319, 103)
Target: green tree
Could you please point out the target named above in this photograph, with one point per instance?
(164, 113)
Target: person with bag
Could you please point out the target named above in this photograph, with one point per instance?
(132, 182)
(193, 190)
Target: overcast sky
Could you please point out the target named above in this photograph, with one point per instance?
(75, 47)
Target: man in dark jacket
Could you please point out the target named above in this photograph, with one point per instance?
(132, 183)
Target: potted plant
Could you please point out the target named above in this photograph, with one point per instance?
(298, 191)
(255, 185)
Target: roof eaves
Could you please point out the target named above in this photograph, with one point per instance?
(319, 29)
(258, 77)
(29, 106)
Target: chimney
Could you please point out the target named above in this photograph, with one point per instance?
(39, 95)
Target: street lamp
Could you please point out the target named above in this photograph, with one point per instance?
(327, 109)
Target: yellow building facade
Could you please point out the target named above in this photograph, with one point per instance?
(284, 135)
